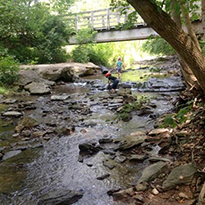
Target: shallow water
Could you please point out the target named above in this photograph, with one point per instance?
(34, 172)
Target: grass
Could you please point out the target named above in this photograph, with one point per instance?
(6, 90)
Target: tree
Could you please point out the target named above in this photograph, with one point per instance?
(162, 23)
(188, 75)
(35, 34)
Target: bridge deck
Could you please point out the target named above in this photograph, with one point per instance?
(102, 19)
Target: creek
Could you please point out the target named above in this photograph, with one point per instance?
(52, 163)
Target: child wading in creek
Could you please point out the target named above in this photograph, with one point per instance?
(112, 82)
(119, 66)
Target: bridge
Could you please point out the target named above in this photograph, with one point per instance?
(109, 25)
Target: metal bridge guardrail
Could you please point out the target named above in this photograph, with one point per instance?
(102, 19)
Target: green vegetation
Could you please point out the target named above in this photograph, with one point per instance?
(180, 117)
(136, 105)
(9, 70)
(106, 53)
(35, 34)
(157, 46)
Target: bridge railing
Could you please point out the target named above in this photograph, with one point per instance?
(102, 19)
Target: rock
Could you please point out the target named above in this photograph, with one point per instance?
(29, 75)
(152, 171)
(138, 133)
(183, 195)
(38, 88)
(39, 134)
(123, 194)
(105, 140)
(89, 148)
(61, 197)
(111, 191)
(141, 187)
(103, 176)
(124, 92)
(11, 154)
(130, 141)
(109, 164)
(120, 159)
(59, 97)
(9, 101)
(136, 157)
(59, 71)
(145, 111)
(12, 114)
(158, 131)
(173, 83)
(26, 133)
(155, 159)
(27, 122)
(179, 175)
(155, 191)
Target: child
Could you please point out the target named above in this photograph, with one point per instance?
(119, 66)
(113, 80)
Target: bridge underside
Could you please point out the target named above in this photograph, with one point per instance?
(139, 33)
(120, 35)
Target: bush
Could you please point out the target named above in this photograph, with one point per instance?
(80, 54)
(8, 70)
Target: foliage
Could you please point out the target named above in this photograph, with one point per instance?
(80, 54)
(85, 36)
(157, 46)
(202, 44)
(107, 53)
(179, 117)
(33, 34)
(60, 6)
(141, 103)
(8, 70)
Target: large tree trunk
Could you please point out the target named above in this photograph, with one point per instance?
(174, 35)
(203, 16)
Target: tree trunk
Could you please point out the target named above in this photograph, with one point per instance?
(189, 26)
(203, 16)
(174, 35)
(187, 73)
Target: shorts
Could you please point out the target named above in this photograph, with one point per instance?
(115, 83)
(119, 70)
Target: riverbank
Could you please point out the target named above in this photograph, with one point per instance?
(180, 178)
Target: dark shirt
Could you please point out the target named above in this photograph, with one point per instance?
(112, 78)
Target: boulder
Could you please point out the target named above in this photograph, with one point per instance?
(12, 114)
(179, 175)
(152, 171)
(38, 88)
(63, 71)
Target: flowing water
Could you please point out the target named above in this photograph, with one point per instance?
(25, 177)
